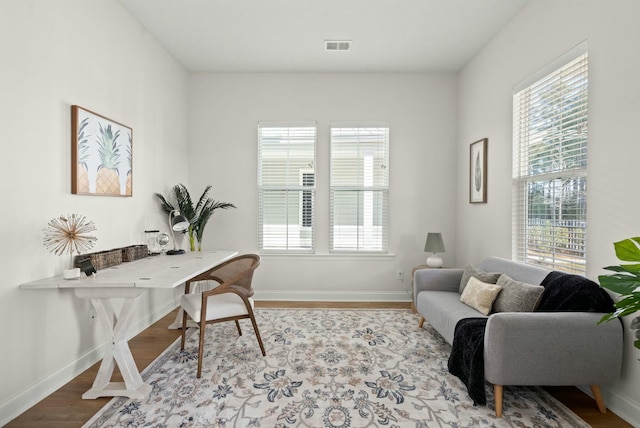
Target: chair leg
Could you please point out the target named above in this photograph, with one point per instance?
(184, 329)
(498, 392)
(421, 322)
(255, 328)
(238, 327)
(201, 349)
(597, 395)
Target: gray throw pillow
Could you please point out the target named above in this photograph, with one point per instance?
(471, 270)
(517, 296)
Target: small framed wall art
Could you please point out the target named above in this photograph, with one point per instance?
(101, 149)
(478, 172)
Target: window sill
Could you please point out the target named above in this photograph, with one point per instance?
(328, 256)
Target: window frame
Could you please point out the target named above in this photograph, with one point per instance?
(264, 190)
(550, 162)
(361, 244)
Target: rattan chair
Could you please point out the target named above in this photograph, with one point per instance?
(229, 301)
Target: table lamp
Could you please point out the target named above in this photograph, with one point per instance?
(434, 245)
(178, 223)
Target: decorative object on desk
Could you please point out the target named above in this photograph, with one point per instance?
(102, 259)
(178, 223)
(478, 172)
(198, 214)
(134, 252)
(163, 240)
(68, 234)
(434, 245)
(626, 282)
(98, 166)
(86, 267)
(152, 241)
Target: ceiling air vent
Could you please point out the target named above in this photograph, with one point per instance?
(337, 45)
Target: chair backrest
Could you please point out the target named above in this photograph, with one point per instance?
(235, 266)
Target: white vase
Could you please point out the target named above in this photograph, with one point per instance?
(71, 273)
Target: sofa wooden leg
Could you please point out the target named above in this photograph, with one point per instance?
(595, 390)
(421, 322)
(498, 391)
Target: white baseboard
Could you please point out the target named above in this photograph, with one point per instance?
(619, 404)
(333, 296)
(22, 401)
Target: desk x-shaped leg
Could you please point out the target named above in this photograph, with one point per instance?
(118, 352)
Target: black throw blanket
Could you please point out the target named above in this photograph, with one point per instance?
(563, 292)
(573, 293)
(466, 360)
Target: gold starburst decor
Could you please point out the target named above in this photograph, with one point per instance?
(68, 234)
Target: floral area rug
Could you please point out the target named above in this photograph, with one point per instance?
(324, 368)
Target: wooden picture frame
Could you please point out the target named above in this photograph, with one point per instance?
(478, 171)
(101, 155)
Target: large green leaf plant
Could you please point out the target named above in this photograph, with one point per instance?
(198, 214)
(626, 282)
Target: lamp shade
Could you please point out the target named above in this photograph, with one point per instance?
(179, 223)
(434, 243)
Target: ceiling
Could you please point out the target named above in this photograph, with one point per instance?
(289, 35)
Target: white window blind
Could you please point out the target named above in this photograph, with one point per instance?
(550, 166)
(286, 186)
(359, 188)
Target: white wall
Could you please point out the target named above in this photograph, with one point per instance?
(55, 54)
(421, 111)
(541, 32)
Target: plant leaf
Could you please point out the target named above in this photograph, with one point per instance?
(620, 268)
(166, 206)
(631, 302)
(634, 269)
(607, 317)
(628, 249)
(185, 205)
(203, 198)
(619, 283)
(205, 214)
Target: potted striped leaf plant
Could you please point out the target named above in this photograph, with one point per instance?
(198, 214)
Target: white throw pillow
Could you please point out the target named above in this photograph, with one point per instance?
(480, 295)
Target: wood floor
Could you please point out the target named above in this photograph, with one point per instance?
(66, 409)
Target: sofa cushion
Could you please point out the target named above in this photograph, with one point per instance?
(519, 271)
(480, 295)
(517, 296)
(471, 270)
(443, 310)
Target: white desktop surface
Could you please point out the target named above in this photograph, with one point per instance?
(128, 281)
(160, 271)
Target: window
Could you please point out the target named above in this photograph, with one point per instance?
(286, 186)
(359, 188)
(550, 165)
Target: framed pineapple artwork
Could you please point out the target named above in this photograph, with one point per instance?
(478, 172)
(101, 149)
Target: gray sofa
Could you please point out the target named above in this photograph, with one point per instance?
(525, 348)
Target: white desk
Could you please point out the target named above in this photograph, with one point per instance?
(128, 281)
